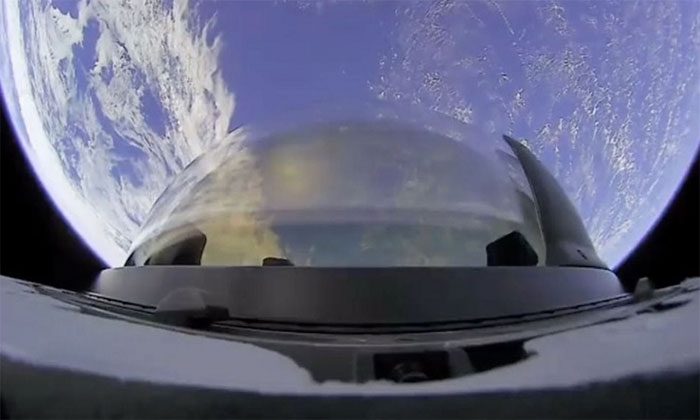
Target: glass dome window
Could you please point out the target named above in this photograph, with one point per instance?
(378, 192)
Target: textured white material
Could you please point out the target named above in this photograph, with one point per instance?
(38, 329)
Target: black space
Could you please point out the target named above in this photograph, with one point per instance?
(37, 245)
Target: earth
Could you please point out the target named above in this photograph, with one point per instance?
(110, 101)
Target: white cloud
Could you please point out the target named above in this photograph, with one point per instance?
(612, 121)
(80, 134)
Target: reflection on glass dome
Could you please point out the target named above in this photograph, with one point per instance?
(378, 192)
